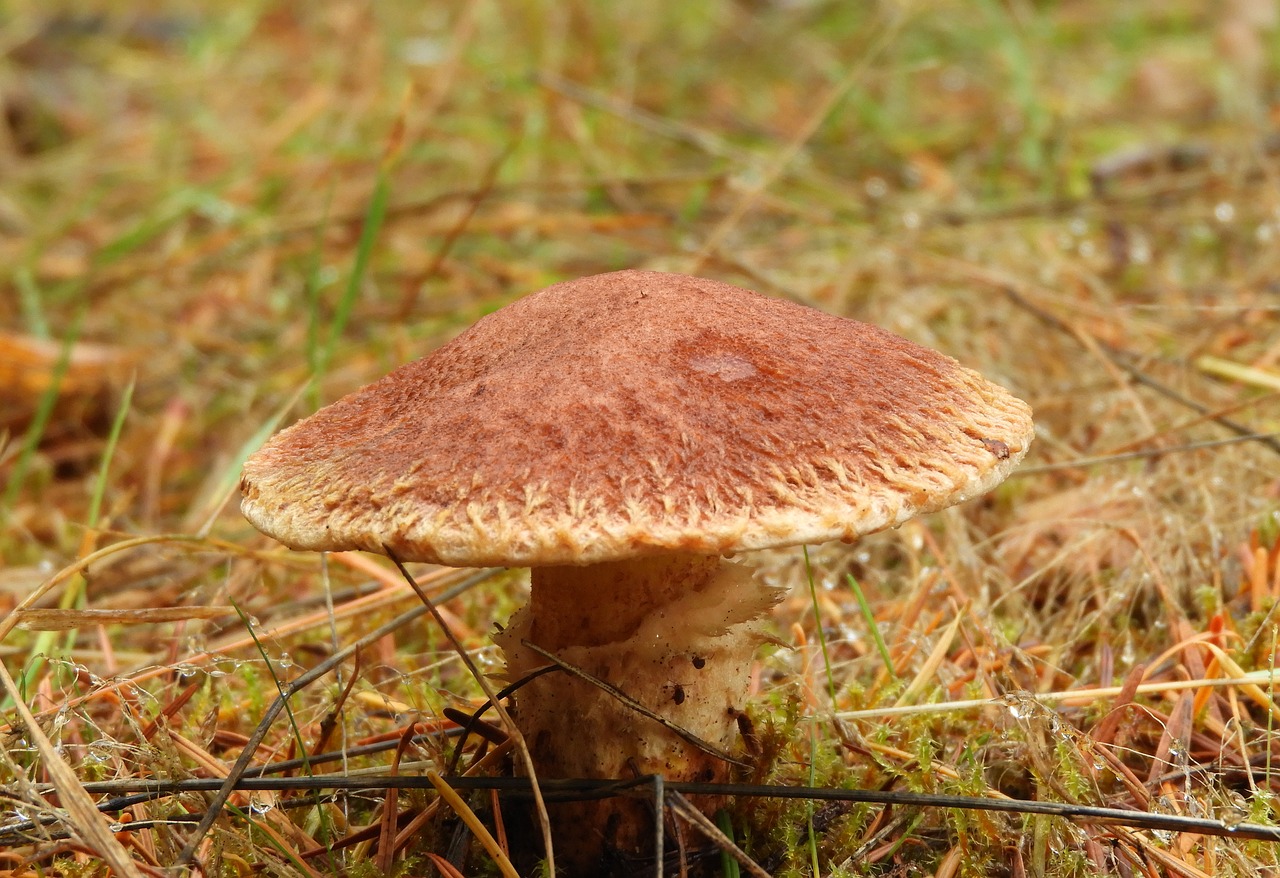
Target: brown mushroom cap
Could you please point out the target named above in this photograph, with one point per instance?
(633, 413)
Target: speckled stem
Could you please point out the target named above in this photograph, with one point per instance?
(677, 633)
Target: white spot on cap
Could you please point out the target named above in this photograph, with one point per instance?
(726, 366)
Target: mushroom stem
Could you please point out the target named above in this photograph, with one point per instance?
(677, 634)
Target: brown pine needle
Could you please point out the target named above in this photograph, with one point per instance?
(478, 829)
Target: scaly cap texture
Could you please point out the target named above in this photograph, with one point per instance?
(633, 413)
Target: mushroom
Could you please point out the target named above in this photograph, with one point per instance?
(620, 435)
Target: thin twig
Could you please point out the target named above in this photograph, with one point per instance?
(474, 720)
(703, 824)
(584, 789)
(659, 819)
(1138, 455)
(1123, 360)
(264, 725)
(513, 730)
(409, 301)
(82, 814)
(629, 702)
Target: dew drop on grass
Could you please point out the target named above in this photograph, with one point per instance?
(1233, 817)
(1021, 706)
(489, 660)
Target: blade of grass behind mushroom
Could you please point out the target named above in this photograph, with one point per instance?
(510, 726)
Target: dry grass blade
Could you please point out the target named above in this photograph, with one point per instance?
(624, 698)
(446, 869)
(219, 799)
(1069, 697)
(928, 670)
(10, 621)
(188, 199)
(703, 824)
(517, 739)
(478, 829)
(81, 810)
(68, 620)
(1239, 372)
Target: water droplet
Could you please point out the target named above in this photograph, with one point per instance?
(1020, 705)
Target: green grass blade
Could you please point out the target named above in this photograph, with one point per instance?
(100, 484)
(231, 476)
(728, 865)
(32, 302)
(288, 708)
(871, 625)
(831, 691)
(44, 410)
(373, 220)
(812, 838)
(817, 621)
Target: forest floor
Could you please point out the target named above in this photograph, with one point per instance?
(212, 223)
